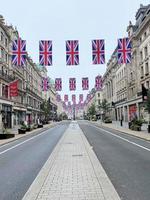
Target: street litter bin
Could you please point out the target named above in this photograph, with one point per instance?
(121, 122)
(130, 123)
(148, 128)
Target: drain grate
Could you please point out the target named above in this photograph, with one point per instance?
(68, 143)
(77, 155)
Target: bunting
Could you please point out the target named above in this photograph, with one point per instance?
(65, 98)
(80, 97)
(124, 50)
(19, 52)
(72, 84)
(58, 98)
(85, 83)
(45, 52)
(98, 51)
(58, 84)
(72, 52)
(45, 83)
(98, 82)
(74, 98)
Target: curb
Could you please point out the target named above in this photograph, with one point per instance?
(107, 187)
(130, 134)
(32, 132)
(35, 188)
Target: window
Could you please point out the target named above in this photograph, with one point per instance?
(147, 84)
(131, 76)
(142, 71)
(99, 102)
(2, 36)
(5, 91)
(146, 68)
(141, 56)
(6, 57)
(98, 94)
(145, 51)
(140, 40)
(6, 42)
(145, 34)
(2, 55)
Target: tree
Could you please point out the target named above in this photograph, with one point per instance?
(92, 111)
(104, 106)
(46, 109)
(63, 116)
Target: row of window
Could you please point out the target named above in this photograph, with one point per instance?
(144, 36)
(145, 70)
(144, 53)
(4, 39)
(121, 74)
(120, 97)
(33, 102)
(3, 55)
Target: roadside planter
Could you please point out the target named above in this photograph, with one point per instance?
(6, 135)
(40, 125)
(21, 131)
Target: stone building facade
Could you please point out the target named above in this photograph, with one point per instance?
(123, 83)
(25, 106)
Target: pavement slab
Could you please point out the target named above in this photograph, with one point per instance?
(72, 172)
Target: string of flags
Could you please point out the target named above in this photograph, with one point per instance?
(85, 83)
(19, 53)
(80, 105)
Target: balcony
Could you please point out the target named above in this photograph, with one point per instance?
(6, 77)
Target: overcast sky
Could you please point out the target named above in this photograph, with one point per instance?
(61, 20)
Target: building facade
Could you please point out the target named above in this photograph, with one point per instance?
(123, 83)
(27, 105)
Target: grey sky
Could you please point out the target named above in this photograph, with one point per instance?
(62, 20)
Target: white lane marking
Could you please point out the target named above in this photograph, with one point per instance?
(147, 149)
(13, 147)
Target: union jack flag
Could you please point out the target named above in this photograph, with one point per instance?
(72, 52)
(85, 83)
(45, 52)
(45, 83)
(72, 84)
(69, 103)
(19, 52)
(98, 82)
(88, 97)
(58, 84)
(65, 98)
(58, 98)
(98, 51)
(80, 97)
(73, 98)
(124, 50)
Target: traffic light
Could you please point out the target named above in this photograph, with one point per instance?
(144, 93)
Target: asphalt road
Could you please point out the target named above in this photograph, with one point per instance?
(21, 160)
(126, 160)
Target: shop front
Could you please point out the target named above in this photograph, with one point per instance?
(6, 115)
(132, 112)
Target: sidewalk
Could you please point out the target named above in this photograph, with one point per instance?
(116, 126)
(18, 136)
(72, 172)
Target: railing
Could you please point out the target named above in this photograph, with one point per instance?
(6, 77)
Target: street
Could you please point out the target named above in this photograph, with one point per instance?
(21, 160)
(126, 160)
